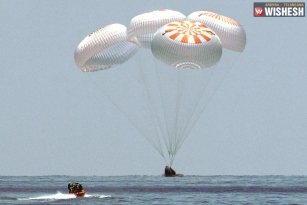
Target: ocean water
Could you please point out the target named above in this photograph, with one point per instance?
(155, 190)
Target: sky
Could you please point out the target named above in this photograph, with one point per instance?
(55, 121)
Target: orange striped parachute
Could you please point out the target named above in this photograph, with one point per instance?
(230, 32)
(186, 44)
(164, 88)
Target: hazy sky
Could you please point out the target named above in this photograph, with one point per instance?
(55, 121)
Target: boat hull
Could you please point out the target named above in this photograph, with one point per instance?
(78, 194)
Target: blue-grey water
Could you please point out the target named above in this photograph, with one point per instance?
(155, 190)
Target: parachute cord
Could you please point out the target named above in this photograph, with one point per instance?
(121, 111)
(109, 98)
(166, 162)
(210, 98)
(167, 132)
(182, 135)
(163, 131)
(172, 158)
(181, 80)
(150, 105)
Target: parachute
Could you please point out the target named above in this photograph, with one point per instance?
(186, 44)
(167, 85)
(144, 26)
(231, 33)
(105, 48)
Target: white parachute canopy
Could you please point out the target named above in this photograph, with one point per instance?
(144, 26)
(105, 48)
(230, 32)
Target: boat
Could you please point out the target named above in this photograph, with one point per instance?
(78, 193)
(76, 189)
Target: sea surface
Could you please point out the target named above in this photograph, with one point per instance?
(155, 190)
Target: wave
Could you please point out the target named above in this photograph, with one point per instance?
(7, 198)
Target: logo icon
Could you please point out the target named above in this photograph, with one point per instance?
(259, 11)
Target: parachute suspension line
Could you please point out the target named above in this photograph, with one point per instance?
(110, 99)
(163, 121)
(172, 158)
(203, 88)
(181, 81)
(166, 131)
(179, 75)
(211, 96)
(167, 163)
(118, 107)
(150, 104)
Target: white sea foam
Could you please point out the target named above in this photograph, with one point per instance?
(105, 196)
(56, 196)
(61, 196)
(97, 196)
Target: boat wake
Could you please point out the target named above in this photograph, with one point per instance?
(51, 197)
(97, 196)
(61, 196)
